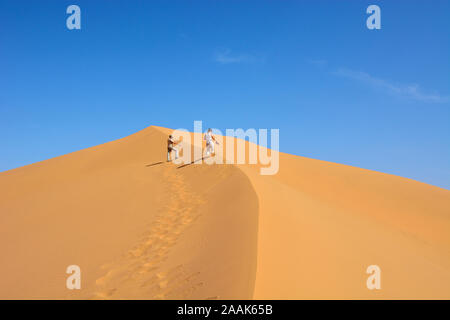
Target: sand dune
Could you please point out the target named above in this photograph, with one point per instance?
(142, 228)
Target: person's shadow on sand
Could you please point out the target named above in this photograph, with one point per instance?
(182, 166)
(154, 164)
(188, 164)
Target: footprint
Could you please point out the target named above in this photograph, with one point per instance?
(142, 264)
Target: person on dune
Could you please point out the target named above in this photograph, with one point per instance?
(171, 143)
(210, 140)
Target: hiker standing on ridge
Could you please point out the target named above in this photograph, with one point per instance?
(210, 140)
(171, 143)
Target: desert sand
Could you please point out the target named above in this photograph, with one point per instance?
(143, 228)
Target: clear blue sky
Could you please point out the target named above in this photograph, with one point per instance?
(376, 99)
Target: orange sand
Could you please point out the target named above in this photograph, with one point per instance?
(142, 228)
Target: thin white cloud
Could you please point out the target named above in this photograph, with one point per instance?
(412, 91)
(227, 57)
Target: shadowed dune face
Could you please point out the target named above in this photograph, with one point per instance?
(142, 228)
(316, 243)
(137, 226)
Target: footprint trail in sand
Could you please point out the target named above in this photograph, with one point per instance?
(143, 270)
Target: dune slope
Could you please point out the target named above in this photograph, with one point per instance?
(137, 227)
(141, 228)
